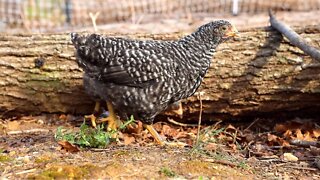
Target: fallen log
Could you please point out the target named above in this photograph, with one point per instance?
(260, 73)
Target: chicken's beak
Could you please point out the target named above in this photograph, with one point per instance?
(232, 32)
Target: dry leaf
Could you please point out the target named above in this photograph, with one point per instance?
(296, 123)
(63, 117)
(128, 139)
(292, 125)
(299, 134)
(221, 136)
(288, 134)
(68, 146)
(280, 128)
(233, 146)
(308, 137)
(168, 131)
(289, 157)
(283, 142)
(231, 129)
(249, 137)
(301, 156)
(280, 141)
(315, 151)
(272, 138)
(135, 128)
(316, 133)
(286, 177)
(13, 126)
(189, 142)
(211, 147)
(317, 163)
(157, 126)
(182, 134)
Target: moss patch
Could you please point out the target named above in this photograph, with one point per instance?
(44, 159)
(64, 172)
(5, 158)
(167, 172)
(197, 167)
(116, 169)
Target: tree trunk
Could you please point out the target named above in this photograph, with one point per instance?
(258, 73)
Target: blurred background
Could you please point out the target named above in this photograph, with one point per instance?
(152, 16)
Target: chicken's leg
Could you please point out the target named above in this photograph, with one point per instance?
(93, 116)
(113, 121)
(155, 134)
(159, 140)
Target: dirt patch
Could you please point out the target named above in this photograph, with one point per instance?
(40, 157)
(36, 155)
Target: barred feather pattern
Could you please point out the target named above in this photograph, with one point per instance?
(142, 78)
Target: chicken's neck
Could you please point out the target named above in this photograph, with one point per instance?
(201, 47)
(205, 42)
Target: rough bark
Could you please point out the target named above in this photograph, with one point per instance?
(258, 73)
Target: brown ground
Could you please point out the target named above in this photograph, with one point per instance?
(29, 150)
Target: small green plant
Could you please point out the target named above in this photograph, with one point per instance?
(167, 172)
(202, 141)
(89, 137)
(217, 131)
(242, 165)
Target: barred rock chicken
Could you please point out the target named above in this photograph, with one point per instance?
(142, 78)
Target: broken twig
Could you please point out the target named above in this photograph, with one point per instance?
(181, 124)
(294, 38)
(251, 124)
(29, 131)
(302, 168)
(200, 118)
(94, 20)
(221, 161)
(26, 171)
(303, 143)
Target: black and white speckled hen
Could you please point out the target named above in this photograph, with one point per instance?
(142, 78)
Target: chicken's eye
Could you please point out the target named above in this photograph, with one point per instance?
(224, 28)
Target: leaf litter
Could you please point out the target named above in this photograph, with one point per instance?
(262, 149)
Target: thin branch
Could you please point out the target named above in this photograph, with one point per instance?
(133, 12)
(303, 143)
(302, 168)
(26, 171)
(94, 20)
(221, 161)
(257, 119)
(294, 38)
(28, 131)
(181, 124)
(200, 118)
